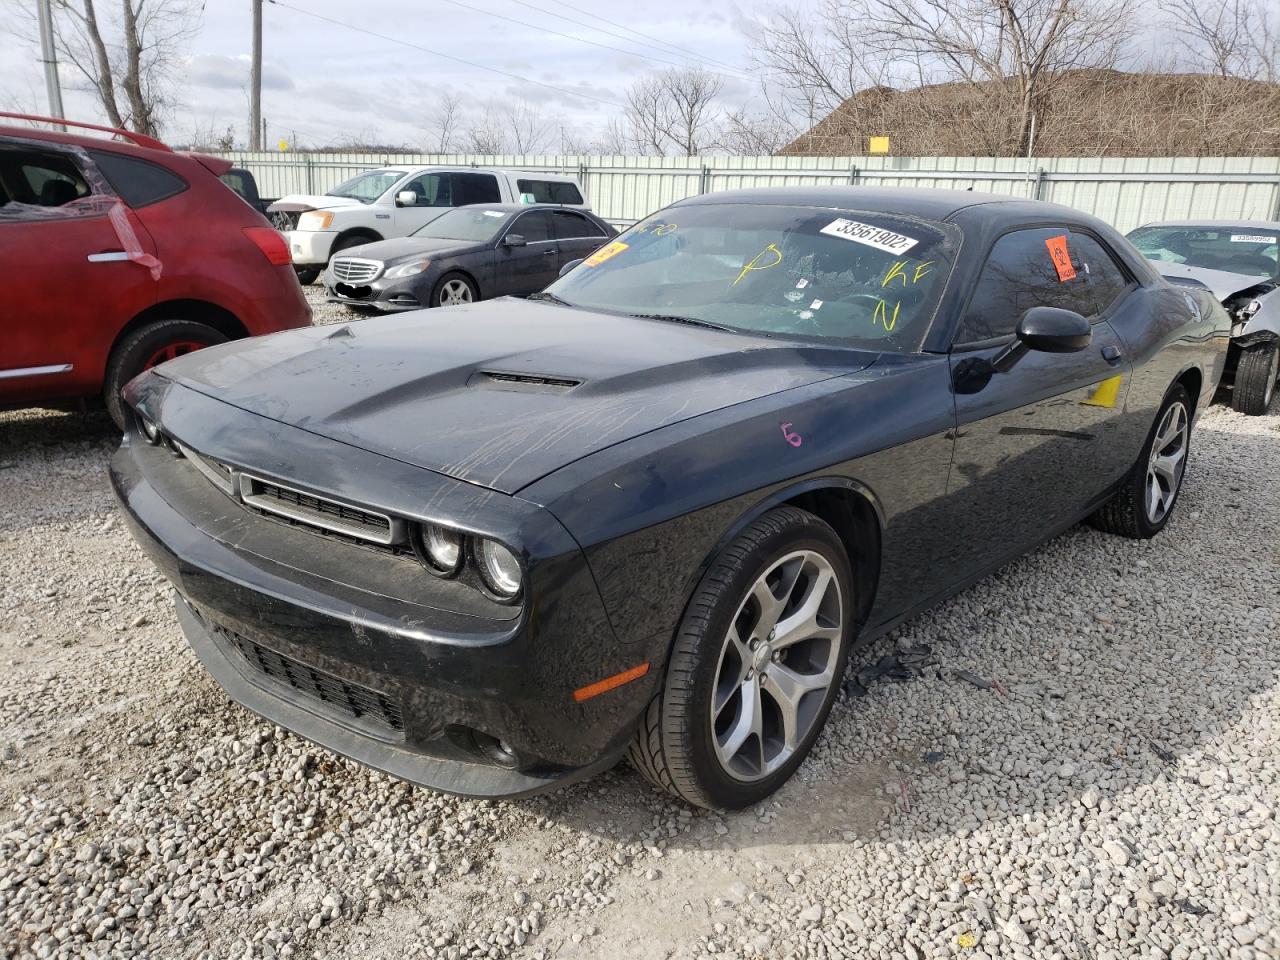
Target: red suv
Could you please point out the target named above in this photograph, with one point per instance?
(121, 254)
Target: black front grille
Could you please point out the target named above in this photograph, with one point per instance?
(313, 511)
(285, 219)
(342, 696)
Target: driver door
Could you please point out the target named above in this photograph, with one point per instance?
(1037, 444)
(527, 269)
(433, 195)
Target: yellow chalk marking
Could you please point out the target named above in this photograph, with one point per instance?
(1106, 393)
(756, 265)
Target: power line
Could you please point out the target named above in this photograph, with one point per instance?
(557, 33)
(622, 26)
(447, 56)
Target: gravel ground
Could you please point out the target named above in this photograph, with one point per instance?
(1112, 793)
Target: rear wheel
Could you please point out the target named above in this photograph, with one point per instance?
(1256, 374)
(146, 347)
(1142, 505)
(755, 667)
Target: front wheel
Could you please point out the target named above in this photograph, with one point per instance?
(452, 289)
(755, 667)
(1142, 505)
(146, 347)
(307, 275)
(1256, 374)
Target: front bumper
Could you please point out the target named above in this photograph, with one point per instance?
(363, 652)
(310, 248)
(401, 293)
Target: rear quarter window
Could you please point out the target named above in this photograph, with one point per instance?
(550, 191)
(137, 182)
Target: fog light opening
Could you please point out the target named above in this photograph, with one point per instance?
(496, 751)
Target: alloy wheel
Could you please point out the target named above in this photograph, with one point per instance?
(778, 660)
(171, 351)
(1167, 462)
(453, 292)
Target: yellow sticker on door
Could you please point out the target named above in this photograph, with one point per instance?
(605, 252)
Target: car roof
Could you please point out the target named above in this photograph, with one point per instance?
(449, 168)
(1242, 222)
(923, 202)
(517, 207)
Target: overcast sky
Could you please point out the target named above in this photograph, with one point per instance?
(323, 83)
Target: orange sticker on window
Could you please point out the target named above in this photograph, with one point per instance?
(1061, 258)
(605, 252)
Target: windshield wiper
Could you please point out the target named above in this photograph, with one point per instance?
(692, 321)
(549, 298)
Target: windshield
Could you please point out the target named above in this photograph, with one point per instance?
(1247, 249)
(465, 223)
(865, 279)
(367, 187)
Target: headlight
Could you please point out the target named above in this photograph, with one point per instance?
(439, 548)
(407, 269)
(1252, 307)
(499, 568)
(315, 220)
(149, 429)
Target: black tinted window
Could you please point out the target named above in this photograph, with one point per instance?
(136, 181)
(42, 179)
(570, 226)
(1101, 279)
(476, 188)
(533, 226)
(1049, 267)
(550, 191)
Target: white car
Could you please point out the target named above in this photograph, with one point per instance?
(394, 201)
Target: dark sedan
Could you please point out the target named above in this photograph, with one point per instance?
(467, 254)
(655, 508)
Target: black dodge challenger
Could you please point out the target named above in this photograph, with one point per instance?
(654, 509)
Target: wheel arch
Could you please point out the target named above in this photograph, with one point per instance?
(1192, 380)
(365, 234)
(849, 507)
(200, 311)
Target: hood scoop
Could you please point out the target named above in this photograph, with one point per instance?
(521, 382)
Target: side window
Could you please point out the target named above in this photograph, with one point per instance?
(573, 226)
(431, 190)
(534, 226)
(137, 182)
(550, 191)
(1044, 267)
(1102, 280)
(43, 183)
(476, 188)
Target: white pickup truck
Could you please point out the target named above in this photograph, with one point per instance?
(394, 201)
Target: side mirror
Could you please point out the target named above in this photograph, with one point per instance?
(406, 198)
(514, 240)
(570, 265)
(1047, 329)
(1054, 330)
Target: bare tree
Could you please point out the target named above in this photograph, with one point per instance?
(674, 111)
(527, 129)
(128, 59)
(485, 134)
(442, 122)
(1231, 38)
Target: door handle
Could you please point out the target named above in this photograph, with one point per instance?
(1111, 353)
(108, 256)
(548, 253)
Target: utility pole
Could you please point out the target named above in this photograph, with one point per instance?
(255, 80)
(49, 57)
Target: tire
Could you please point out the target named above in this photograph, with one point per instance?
(1129, 511)
(307, 275)
(352, 240)
(144, 348)
(453, 288)
(679, 744)
(1256, 373)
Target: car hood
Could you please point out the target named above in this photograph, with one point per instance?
(1223, 283)
(406, 248)
(311, 201)
(499, 393)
